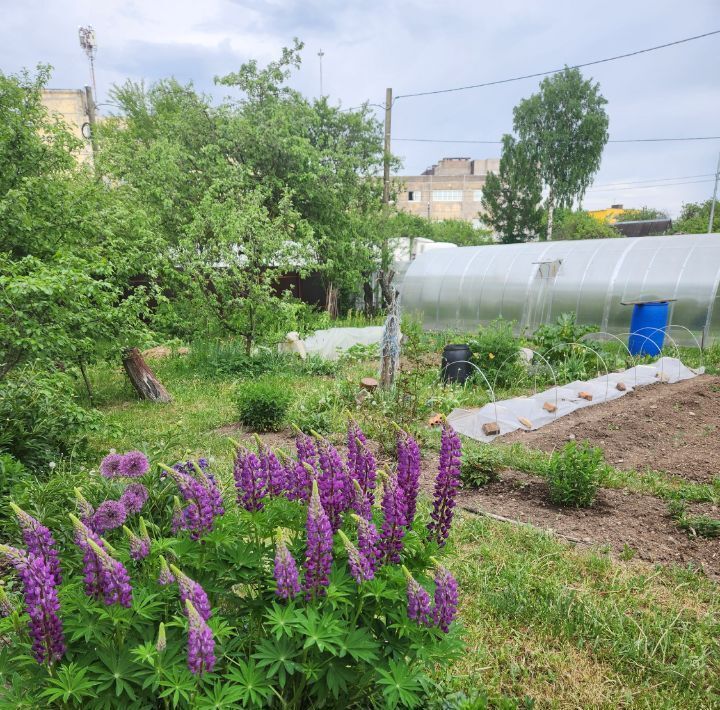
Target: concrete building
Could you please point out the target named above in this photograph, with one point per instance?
(452, 189)
(70, 105)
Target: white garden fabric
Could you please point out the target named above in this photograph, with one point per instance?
(566, 398)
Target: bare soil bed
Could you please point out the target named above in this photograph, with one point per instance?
(673, 428)
(629, 523)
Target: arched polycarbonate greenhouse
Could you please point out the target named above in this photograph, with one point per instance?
(533, 284)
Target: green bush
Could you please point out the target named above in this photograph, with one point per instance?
(263, 404)
(40, 418)
(480, 465)
(12, 473)
(557, 341)
(574, 474)
(496, 351)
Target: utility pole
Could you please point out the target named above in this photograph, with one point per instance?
(88, 42)
(321, 54)
(90, 101)
(712, 204)
(386, 160)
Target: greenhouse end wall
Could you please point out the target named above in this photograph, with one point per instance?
(534, 283)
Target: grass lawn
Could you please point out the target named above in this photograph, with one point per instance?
(545, 623)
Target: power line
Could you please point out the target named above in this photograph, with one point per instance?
(617, 140)
(645, 187)
(555, 71)
(637, 182)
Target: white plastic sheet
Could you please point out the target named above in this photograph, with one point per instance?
(331, 343)
(566, 398)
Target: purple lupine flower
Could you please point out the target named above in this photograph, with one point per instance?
(394, 521)
(114, 580)
(306, 451)
(447, 485)
(39, 541)
(41, 603)
(109, 515)
(446, 598)
(139, 544)
(366, 470)
(165, 577)
(161, 643)
(286, 573)
(333, 483)
(201, 645)
(91, 564)
(177, 516)
(369, 542)
(250, 480)
(355, 437)
(190, 590)
(85, 510)
(418, 601)
(318, 554)
(408, 470)
(134, 497)
(110, 465)
(133, 465)
(360, 566)
(273, 471)
(361, 503)
(204, 500)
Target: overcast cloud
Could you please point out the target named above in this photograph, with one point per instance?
(420, 45)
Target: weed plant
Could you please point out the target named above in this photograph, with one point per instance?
(574, 474)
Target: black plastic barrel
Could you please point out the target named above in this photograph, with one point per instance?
(455, 363)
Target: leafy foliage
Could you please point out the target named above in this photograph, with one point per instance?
(695, 217)
(354, 646)
(565, 128)
(511, 199)
(557, 341)
(263, 404)
(481, 464)
(579, 224)
(496, 351)
(574, 474)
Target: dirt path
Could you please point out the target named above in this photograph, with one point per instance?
(673, 428)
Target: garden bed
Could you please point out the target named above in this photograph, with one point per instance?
(631, 524)
(671, 428)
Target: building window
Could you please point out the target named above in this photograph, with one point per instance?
(477, 195)
(447, 195)
(414, 196)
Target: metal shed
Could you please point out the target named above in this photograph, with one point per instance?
(534, 283)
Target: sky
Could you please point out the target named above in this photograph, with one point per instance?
(421, 45)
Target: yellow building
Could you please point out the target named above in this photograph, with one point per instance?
(70, 105)
(608, 215)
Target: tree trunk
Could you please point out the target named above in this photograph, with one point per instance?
(390, 362)
(369, 298)
(551, 211)
(331, 300)
(387, 288)
(143, 378)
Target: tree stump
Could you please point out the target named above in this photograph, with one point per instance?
(143, 379)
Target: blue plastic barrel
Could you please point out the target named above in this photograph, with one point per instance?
(647, 328)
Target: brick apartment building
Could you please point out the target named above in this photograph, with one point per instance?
(452, 189)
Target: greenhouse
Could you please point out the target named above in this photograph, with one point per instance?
(598, 279)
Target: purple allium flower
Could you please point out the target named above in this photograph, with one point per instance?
(109, 515)
(134, 497)
(408, 470)
(446, 598)
(369, 542)
(39, 541)
(110, 465)
(166, 576)
(6, 606)
(394, 521)
(333, 483)
(134, 464)
(287, 577)
(418, 601)
(318, 554)
(191, 591)
(41, 603)
(85, 510)
(447, 485)
(250, 480)
(360, 567)
(201, 645)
